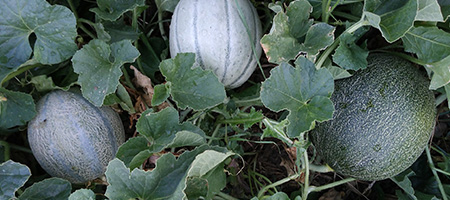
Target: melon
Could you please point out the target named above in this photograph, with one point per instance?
(73, 139)
(384, 116)
(222, 34)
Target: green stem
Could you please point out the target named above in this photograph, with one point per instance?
(251, 39)
(127, 79)
(442, 171)
(20, 148)
(7, 149)
(306, 184)
(79, 21)
(402, 55)
(331, 185)
(239, 121)
(19, 71)
(333, 46)
(270, 124)
(325, 11)
(226, 196)
(280, 182)
(433, 170)
(346, 15)
(213, 136)
(247, 102)
(161, 25)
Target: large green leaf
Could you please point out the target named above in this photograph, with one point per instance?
(52, 188)
(166, 181)
(161, 130)
(302, 90)
(441, 75)
(111, 10)
(84, 194)
(392, 18)
(53, 25)
(279, 45)
(208, 166)
(429, 10)
(283, 42)
(349, 55)
(318, 37)
(429, 43)
(16, 108)
(192, 87)
(12, 176)
(98, 65)
(403, 182)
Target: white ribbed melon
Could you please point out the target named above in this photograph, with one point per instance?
(73, 139)
(215, 30)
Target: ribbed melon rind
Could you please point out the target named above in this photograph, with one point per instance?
(383, 119)
(73, 139)
(213, 29)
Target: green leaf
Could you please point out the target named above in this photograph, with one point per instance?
(187, 138)
(53, 25)
(111, 10)
(247, 119)
(429, 10)
(348, 55)
(209, 166)
(298, 18)
(161, 130)
(161, 93)
(403, 182)
(122, 98)
(84, 194)
(303, 90)
(166, 5)
(279, 196)
(17, 104)
(52, 188)
(392, 18)
(43, 83)
(445, 8)
(12, 177)
(130, 149)
(196, 187)
(166, 181)
(207, 161)
(441, 75)
(338, 73)
(429, 43)
(318, 37)
(98, 65)
(279, 45)
(118, 31)
(192, 87)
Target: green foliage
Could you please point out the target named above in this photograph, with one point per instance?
(302, 90)
(98, 65)
(17, 104)
(112, 10)
(191, 86)
(12, 176)
(201, 141)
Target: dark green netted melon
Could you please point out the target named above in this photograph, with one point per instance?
(73, 139)
(384, 116)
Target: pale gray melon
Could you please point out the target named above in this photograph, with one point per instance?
(73, 139)
(215, 31)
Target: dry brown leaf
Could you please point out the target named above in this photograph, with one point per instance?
(144, 82)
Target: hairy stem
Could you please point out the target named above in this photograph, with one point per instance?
(433, 170)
